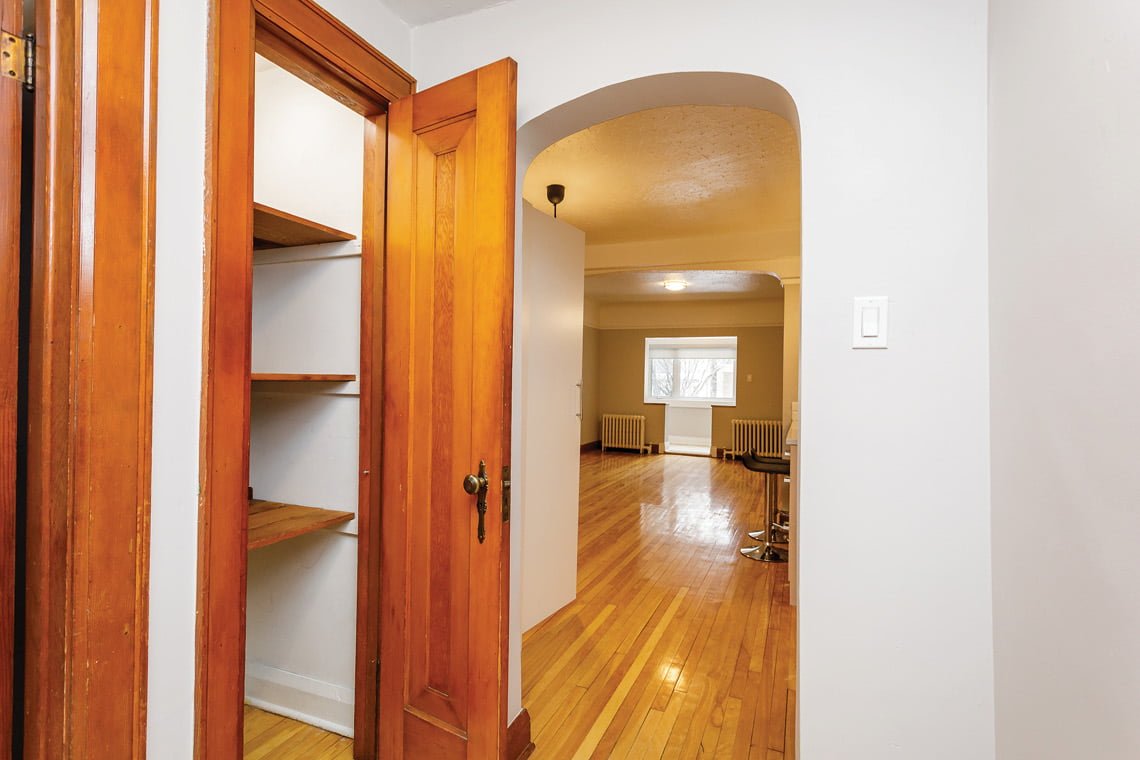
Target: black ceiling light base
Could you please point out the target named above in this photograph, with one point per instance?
(555, 194)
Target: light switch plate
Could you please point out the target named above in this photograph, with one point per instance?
(868, 311)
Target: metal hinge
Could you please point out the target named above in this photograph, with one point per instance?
(18, 58)
(507, 493)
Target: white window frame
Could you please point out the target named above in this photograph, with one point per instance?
(725, 342)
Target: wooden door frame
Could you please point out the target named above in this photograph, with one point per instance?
(11, 156)
(306, 40)
(89, 379)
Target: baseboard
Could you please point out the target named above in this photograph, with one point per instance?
(650, 448)
(318, 703)
(519, 745)
(689, 440)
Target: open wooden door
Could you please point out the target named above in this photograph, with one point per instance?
(448, 301)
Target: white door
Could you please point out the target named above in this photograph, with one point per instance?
(551, 319)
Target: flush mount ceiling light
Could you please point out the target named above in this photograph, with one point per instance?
(675, 284)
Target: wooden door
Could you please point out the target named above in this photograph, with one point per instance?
(11, 122)
(449, 270)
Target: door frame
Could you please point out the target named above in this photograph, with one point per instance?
(11, 155)
(89, 379)
(306, 40)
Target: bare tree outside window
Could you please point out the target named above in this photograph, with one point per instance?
(700, 378)
(690, 369)
(661, 378)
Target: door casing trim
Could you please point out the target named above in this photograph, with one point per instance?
(309, 42)
(89, 380)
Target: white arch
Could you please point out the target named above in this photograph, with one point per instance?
(610, 102)
(702, 88)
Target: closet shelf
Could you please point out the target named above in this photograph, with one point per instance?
(272, 521)
(276, 229)
(284, 377)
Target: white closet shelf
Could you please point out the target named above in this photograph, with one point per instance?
(271, 521)
(273, 228)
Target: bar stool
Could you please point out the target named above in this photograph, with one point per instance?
(770, 467)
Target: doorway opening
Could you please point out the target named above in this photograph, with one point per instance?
(305, 411)
(687, 229)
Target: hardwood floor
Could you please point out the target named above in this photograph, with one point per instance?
(677, 647)
(271, 737)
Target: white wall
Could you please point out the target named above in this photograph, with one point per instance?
(179, 245)
(1064, 277)
(895, 643)
(308, 151)
(177, 362)
(373, 21)
(550, 323)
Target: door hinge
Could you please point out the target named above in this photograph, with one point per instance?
(18, 58)
(507, 493)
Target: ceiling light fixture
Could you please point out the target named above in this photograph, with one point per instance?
(675, 284)
(555, 194)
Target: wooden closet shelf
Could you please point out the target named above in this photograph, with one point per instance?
(272, 521)
(284, 377)
(276, 229)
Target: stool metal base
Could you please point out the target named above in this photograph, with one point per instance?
(756, 535)
(764, 553)
(770, 554)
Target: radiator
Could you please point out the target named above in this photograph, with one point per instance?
(765, 436)
(623, 431)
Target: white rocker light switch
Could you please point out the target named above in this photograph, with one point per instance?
(870, 322)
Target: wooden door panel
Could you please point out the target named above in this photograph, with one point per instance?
(450, 258)
(441, 399)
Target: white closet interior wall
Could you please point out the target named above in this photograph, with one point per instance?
(304, 438)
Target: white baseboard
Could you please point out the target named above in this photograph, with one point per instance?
(318, 703)
(688, 440)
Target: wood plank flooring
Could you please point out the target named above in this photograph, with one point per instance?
(677, 647)
(271, 737)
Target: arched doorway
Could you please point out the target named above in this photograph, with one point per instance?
(779, 257)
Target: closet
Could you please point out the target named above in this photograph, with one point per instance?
(304, 419)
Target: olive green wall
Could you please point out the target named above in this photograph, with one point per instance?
(621, 368)
(590, 414)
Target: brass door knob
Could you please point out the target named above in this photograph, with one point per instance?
(473, 484)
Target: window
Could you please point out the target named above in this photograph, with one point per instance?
(701, 370)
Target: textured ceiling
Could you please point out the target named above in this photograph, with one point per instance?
(704, 285)
(417, 12)
(676, 171)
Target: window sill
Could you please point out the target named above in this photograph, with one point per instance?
(689, 404)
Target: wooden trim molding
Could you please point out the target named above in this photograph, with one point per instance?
(591, 446)
(312, 44)
(306, 40)
(366, 706)
(90, 367)
(11, 155)
(519, 744)
(224, 450)
(55, 256)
